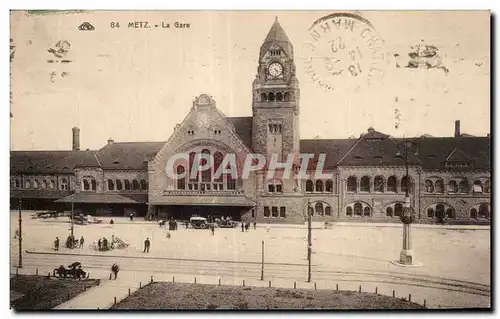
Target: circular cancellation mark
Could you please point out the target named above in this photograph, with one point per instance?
(345, 52)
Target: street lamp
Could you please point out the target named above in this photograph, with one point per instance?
(309, 239)
(404, 149)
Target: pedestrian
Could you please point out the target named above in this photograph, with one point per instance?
(147, 244)
(81, 242)
(242, 227)
(131, 216)
(105, 244)
(99, 244)
(168, 235)
(254, 225)
(115, 269)
(56, 243)
(213, 229)
(247, 225)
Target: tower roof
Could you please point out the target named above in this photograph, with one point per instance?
(277, 36)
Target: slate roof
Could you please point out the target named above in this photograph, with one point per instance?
(277, 35)
(243, 127)
(433, 152)
(334, 149)
(42, 162)
(128, 155)
(38, 193)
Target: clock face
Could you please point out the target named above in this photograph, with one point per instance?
(275, 69)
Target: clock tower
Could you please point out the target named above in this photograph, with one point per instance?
(275, 103)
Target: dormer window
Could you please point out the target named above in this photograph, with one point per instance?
(190, 132)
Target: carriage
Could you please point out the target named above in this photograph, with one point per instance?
(73, 271)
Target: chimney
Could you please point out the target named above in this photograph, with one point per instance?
(457, 128)
(76, 139)
(110, 141)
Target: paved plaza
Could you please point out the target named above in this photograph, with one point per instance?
(455, 269)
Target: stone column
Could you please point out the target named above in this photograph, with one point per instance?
(406, 255)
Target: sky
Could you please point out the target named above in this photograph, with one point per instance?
(135, 84)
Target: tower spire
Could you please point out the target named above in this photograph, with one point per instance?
(277, 35)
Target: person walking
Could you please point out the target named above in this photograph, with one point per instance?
(81, 242)
(147, 244)
(212, 227)
(115, 269)
(56, 243)
(247, 225)
(254, 225)
(99, 244)
(242, 227)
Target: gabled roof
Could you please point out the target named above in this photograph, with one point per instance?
(243, 127)
(375, 149)
(128, 155)
(42, 162)
(433, 152)
(458, 156)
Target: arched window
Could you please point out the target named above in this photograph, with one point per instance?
(484, 211)
(271, 96)
(93, 184)
(309, 186)
(392, 183)
(358, 209)
(119, 185)
(329, 186)
(439, 186)
(51, 184)
(319, 186)
(206, 174)
(275, 186)
(403, 185)
(218, 158)
(27, 184)
(429, 186)
(352, 184)
(450, 213)
(473, 213)
(287, 96)
(430, 212)
(367, 211)
(35, 183)
(279, 96)
(477, 186)
(452, 187)
(348, 211)
(487, 186)
(318, 208)
(127, 184)
(464, 186)
(389, 212)
(111, 185)
(193, 167)
(86, 185)
(328, 211)
(365, 184)
(263, 97)
(398, 209)
(43, 184)
(439, 211)
(181, 182)
(378, 184)
(135, 185)
(63, 184)
(144, 185)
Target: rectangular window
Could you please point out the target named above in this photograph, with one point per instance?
(270, 188)
(267, 213)
(282, 212)
(253, 213)
(275, 212)
(279, 188)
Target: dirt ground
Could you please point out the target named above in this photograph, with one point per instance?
(41, 292)
(164, 295)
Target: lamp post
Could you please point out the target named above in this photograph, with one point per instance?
(20, 238)
(309, 240)
(408, 217)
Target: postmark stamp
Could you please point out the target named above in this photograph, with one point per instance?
(344, 52)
